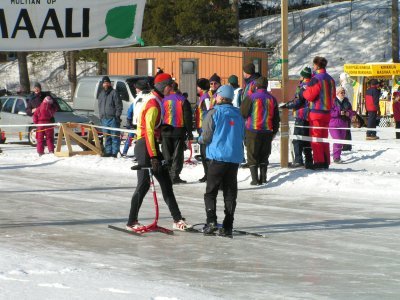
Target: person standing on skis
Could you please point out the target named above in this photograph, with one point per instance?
(148, 153)
(222, 133)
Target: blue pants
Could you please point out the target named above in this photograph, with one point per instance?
(111, 138)
(128, 143)
(371, 123)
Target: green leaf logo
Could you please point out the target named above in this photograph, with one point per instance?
(120, 22)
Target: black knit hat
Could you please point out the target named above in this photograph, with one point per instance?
(37, 85)
(373, 82)
(262, 82)
(306, 72)
(203, 83)
(215, 78)
(106, 79)
(250, 68)
(141, 84)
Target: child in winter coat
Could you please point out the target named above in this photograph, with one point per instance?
(396, 112)
(43, 115)
(341, 114)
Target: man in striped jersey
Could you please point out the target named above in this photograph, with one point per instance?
(261, 114)
(148, 154)
(176, 128)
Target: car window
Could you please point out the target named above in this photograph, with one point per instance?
(8, 105)
(63, 106)
(19, 106)
(122, 91)
(99, 89)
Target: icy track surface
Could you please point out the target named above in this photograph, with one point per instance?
(331, 234)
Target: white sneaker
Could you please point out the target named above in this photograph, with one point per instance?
(181, 225)
(136, 227)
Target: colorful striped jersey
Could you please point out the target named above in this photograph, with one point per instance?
(201, 110)
(173, 110)
(149, 122)
(262, 111)
(320, 92)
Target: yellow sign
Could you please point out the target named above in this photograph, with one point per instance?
(372, 70)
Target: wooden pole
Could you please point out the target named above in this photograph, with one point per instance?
(285, 80)
(395, 31)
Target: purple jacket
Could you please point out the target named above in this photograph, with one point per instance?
(337, 119)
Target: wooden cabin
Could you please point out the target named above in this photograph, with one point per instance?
(187, 63)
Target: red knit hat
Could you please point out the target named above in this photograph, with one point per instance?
(162, 77)
(161, 81)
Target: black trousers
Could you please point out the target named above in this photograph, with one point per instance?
(397, 127)
(226, 174)
(204, 158)
(173, 152)
(258, 147)
(300, 146)
(371, 123)
(143, 185)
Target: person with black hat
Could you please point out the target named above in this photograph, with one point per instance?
(176, 129)
(261, 114)
(215, 83)
(202, 107)
(250, 76)
(142, 88)
(35, 99)
(300, 113)
(233, 81)
(147, 153)
(223, 131)
(110, 109)
(372, 106)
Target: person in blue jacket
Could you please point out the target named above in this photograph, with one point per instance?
(223, 134)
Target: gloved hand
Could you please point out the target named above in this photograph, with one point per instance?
(155, 165)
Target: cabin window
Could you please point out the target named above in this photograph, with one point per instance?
(257, 64)
(144, 67)
(188, 67)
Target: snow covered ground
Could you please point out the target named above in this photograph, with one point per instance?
(332, 234)
(356, 31)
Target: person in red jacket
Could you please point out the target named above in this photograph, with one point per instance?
(44, 115)
(396, 112)
(148, 154)
(372, 106)
(320, 93)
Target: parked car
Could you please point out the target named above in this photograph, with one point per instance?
(89, 87)
(13, 113)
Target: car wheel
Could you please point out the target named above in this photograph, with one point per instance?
(32, 136)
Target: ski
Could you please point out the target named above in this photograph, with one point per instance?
(237, 231)
(244, 232)
(124, 230)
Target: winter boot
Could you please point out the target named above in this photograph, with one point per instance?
(254, 175)
(263, 173)
(210, 228)
(308, 158)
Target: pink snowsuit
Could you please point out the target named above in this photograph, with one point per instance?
(43, 115)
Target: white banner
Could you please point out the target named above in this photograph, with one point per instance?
(46, 25)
